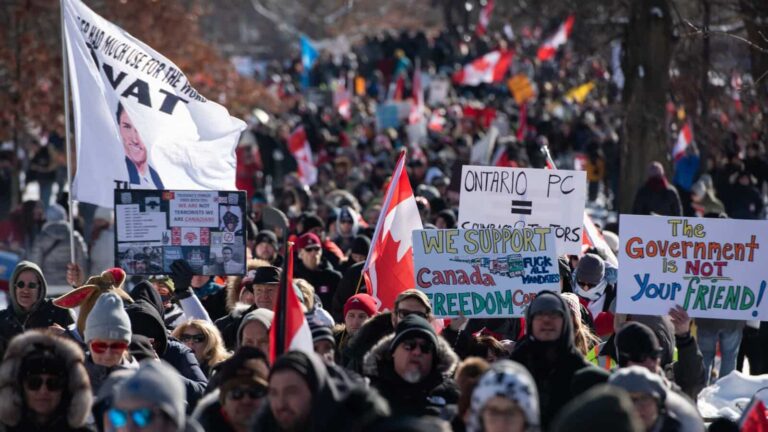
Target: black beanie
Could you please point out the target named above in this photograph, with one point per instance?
(300, 363)
(546, 301)
(361, 245)
(312, 221)
(413, 325)
(636, 341)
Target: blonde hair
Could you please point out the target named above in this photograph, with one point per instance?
(467, 376)
(214, 352)
(308, 292)
(583, 337)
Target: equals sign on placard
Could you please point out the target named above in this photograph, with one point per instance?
(521, 207)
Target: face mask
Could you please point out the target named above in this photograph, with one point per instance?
(593, 293)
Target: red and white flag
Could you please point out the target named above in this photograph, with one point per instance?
(684, 139)
(755, 418)
(302, 152)
(342, 100)
(592, 237)
(489, 68)
(388, 271)
(417, 109)
(550, 46)
(485, 18)
(290, 329)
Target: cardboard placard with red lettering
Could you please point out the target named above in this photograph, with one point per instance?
(155, 227)
(484, 272)
(713, 268)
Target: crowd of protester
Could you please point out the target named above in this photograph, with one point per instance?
(189, 352)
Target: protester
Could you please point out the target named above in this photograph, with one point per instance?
(254, 329)
(505, 399)
(310, 267)
(586, 341)
(357, 310)
(265, 284)
(602, 408)
(649, 396)
(596, 293)
(51, 250)
(323, 343)
(657, 196)
(412, 370)
(29, 308)
(44, 385)
(266, 248)
(204, 339)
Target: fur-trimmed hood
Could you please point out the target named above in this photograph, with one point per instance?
(77, 398)
(380, 357)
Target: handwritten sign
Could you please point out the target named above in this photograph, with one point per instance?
(494, 197)
(484, 272)
(714, 268)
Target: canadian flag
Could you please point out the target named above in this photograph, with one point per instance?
(593, 238)
(388, 271)
(416, 114)
(302, 152)
(489, 68)
(485, 18)
(684, 139)
(290, 329)
(755, 418)
(550, 46)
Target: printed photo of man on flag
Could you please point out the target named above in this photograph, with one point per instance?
(140, 172)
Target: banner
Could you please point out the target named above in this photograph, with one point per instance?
(495, 197)
(485, 272)
(713, 268)
(139, 123)
(156, 227)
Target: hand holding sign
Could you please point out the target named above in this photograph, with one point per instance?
(681, 320)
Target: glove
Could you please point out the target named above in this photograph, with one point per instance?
(181, 274)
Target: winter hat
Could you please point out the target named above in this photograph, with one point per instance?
(266, 275)
(261, 315)
(301, 363)
(546, 303)
(636, 341)
(573, 304)
(168, 282)
(363, 302)
(108, 320)
(449, 216)
(655, 169)
(247, 366)
(591, 269)
(55, 213)
(509, 380)
(604, 408)
(360, 245)
(410, 326)
(266, 236)
(308, 239)
(321, 332)
(312, 221)
(638, 379)
(159, 384)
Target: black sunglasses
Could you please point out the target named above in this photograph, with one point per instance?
(198, 338)
(404, 313)
(588, 285)
(252, 392)
(424, 346)
(30, 285)
(34, 382)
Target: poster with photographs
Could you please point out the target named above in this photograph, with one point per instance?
(156, 227)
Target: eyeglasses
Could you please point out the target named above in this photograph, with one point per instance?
(401, 313)
(196, 338)
(424, 346)
(585, 284)
(30, 285)
(34, 382)
(252, 392)
(102, 347)
(141, 417)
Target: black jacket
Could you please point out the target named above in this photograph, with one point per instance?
(435, 395)
(369, 334)
(347, 288)
(228, 325)
(552, 364)
(655, 198)
(208, 414)
(325, 280)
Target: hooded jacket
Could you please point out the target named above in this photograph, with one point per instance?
(511, 381)
(14, 320)
(51, 248)
(345, 241)
(436, 394)
(366, 337)
(76, 399)
(552, 364)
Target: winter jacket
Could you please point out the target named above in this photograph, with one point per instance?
(98, 374)
(501, 328)
(552, 364)
(51, 252)
(369, 334)
(76, 400)
(347, 287)
(744, 202)
(14, 320)
(657, 197)
(209, 414)
(437, 394)
(228, 324)
(325, 280)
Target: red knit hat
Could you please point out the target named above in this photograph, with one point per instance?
(363, 302)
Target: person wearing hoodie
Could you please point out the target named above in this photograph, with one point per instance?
(656, 195)
(29, 308)
(107, 335)
(549, 353)
(602, 408)
(347, 226)
(412, 370)
(596, 293)
(649, 397)
(310, 267)
(254, 329)
(505, 399)
(43, 385)
(51, 247)
(145, 314)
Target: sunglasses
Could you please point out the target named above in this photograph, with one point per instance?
(252, 392)
(102, 347)
(585, 284)
(141, 417)
(424, 346)
(30, 285)
(197, 338)
(35, 382)
(404, 313)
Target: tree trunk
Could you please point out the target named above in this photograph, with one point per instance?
(755, 14)
(649, 46)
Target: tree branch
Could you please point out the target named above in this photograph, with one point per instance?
(698, 31)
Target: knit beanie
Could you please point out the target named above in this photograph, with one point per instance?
(108, 320)
(591, 269)
(321, 332)
(638, 379)
(261, 315)
(363, 302)
(360, 245)
(159, 384)
(411, 326)
(636, 341)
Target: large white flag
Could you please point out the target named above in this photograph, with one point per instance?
(139, 124)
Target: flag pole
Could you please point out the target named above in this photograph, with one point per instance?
(65, 82)
(282, 305)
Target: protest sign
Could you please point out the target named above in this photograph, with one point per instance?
(521, 88)
(156, 227)
(714, 268)
(495, 197)
(484, 272)
(439, 90)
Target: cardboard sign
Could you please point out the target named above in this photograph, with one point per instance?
(495, 197)
(521, 88)
(484, 272)
(156, 227)
(713, 268)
